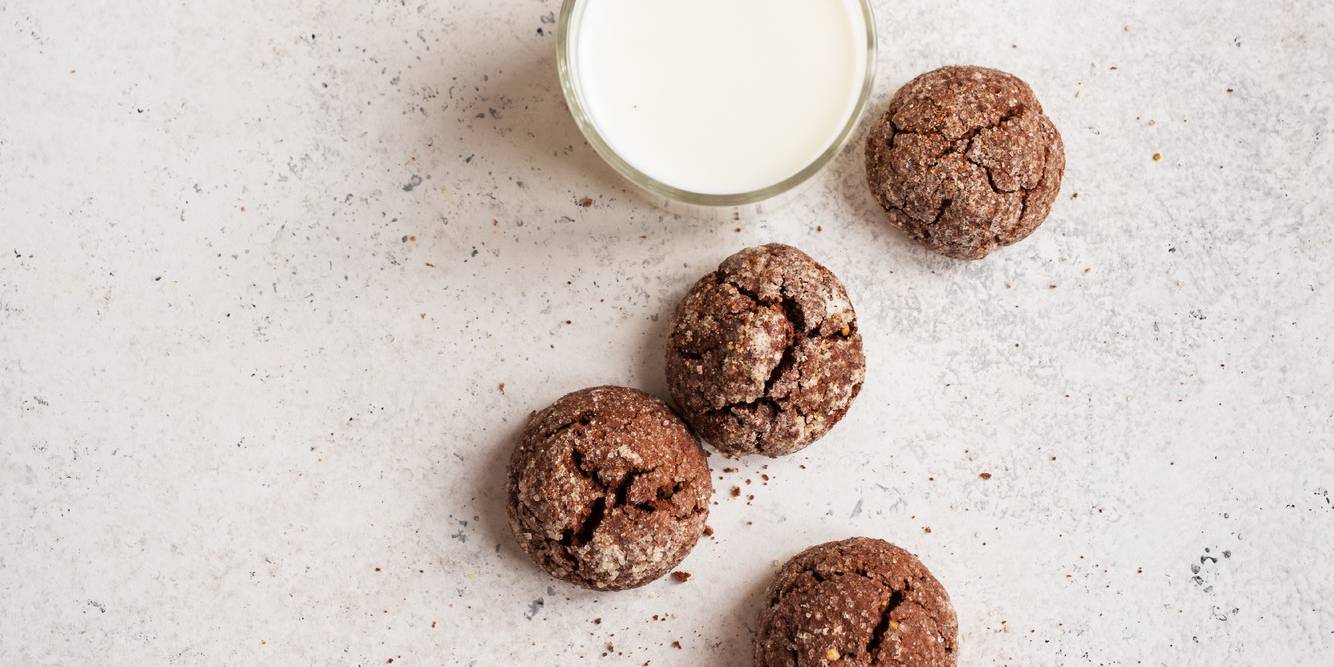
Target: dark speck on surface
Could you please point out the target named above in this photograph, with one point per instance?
(534, 607)
(412, 183)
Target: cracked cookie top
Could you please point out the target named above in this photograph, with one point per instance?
(764, 355)
(859, 602)
(608, 489)
(965, 161)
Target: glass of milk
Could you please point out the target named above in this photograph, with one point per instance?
(718, 108)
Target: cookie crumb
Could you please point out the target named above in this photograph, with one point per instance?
(985, 475)
(681, 576)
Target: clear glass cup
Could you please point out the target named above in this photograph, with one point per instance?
(710, 206)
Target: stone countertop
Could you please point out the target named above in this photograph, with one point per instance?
(280, 282)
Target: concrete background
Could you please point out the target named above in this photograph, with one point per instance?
(279, 282)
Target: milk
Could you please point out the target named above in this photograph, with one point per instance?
(719, 96)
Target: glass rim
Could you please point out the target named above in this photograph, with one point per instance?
(650, 184)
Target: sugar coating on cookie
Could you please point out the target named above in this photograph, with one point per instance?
(764, 355)
(856, 603)
(965, 161)
(608, 489)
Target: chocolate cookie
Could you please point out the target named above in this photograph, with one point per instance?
(857, 602)
(965, 161)
(764, 355)
(608, 489)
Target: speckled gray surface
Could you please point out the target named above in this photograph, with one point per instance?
(281, 281)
